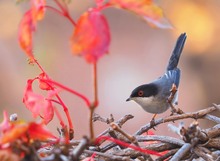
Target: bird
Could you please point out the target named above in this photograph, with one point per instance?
(153, 96)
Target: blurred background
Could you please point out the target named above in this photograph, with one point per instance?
(138, 54)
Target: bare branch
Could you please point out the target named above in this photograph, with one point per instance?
(196, 115)
(120, 122)
(181, 152)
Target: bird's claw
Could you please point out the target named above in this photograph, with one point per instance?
(152, 123)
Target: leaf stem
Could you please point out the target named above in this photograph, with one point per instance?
(95, 85)
(60, 5)
(41, 68)
(55, 10)
(84, 98)
(95, 102)
(65, 11)
(59, 117)
(66, 112)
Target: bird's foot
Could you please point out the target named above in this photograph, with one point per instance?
(152, 123)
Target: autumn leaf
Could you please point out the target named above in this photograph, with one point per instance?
(91, 37)
(28, 26)
(25, 34)
(38, 104)
(38, 132)
(20, 130)
(38, 9)
(14, 133)
(147, 9)
(42, 84)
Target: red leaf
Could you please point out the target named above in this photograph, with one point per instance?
(91, 37)
(147, 9)
(38, 104)
(38, 132)
(44, 85)
(25, 34)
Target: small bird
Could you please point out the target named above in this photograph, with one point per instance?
(153, 97)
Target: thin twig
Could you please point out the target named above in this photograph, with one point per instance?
(128, 136)
(181, 152)
(80, 148)
(108, 156)
(212, 118)
(97, 117)
(167, 155)
(199, 152)
(196, 115)
(165, 139)
(120, 122)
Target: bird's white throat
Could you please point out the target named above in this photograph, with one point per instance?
(151, 104)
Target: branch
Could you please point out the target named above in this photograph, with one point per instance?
(80, 148)
(108, 157)
(181, 152)
(165, 139)
(120, 122)
(195, 115)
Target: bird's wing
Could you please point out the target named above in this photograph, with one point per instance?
(174, 76)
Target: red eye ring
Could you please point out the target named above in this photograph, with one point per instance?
(140, 93)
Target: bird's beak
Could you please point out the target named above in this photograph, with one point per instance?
(128, 99)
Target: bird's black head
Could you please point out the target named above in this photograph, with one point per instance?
(146, 90)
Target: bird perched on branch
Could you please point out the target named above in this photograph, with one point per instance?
(153, 97)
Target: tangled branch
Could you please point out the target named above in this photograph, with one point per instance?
(115, 143)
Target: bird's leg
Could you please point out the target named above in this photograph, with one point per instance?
(173, 91)
(152, 121)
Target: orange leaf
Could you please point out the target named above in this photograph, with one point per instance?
(25, 34)
(38, 9)
(148, 10)
(35, 131)
(28, 25)
(91, 37)
(16, 132)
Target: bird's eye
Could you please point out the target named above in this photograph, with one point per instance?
(140, 93)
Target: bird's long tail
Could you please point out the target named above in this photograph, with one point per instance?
(174, 59)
